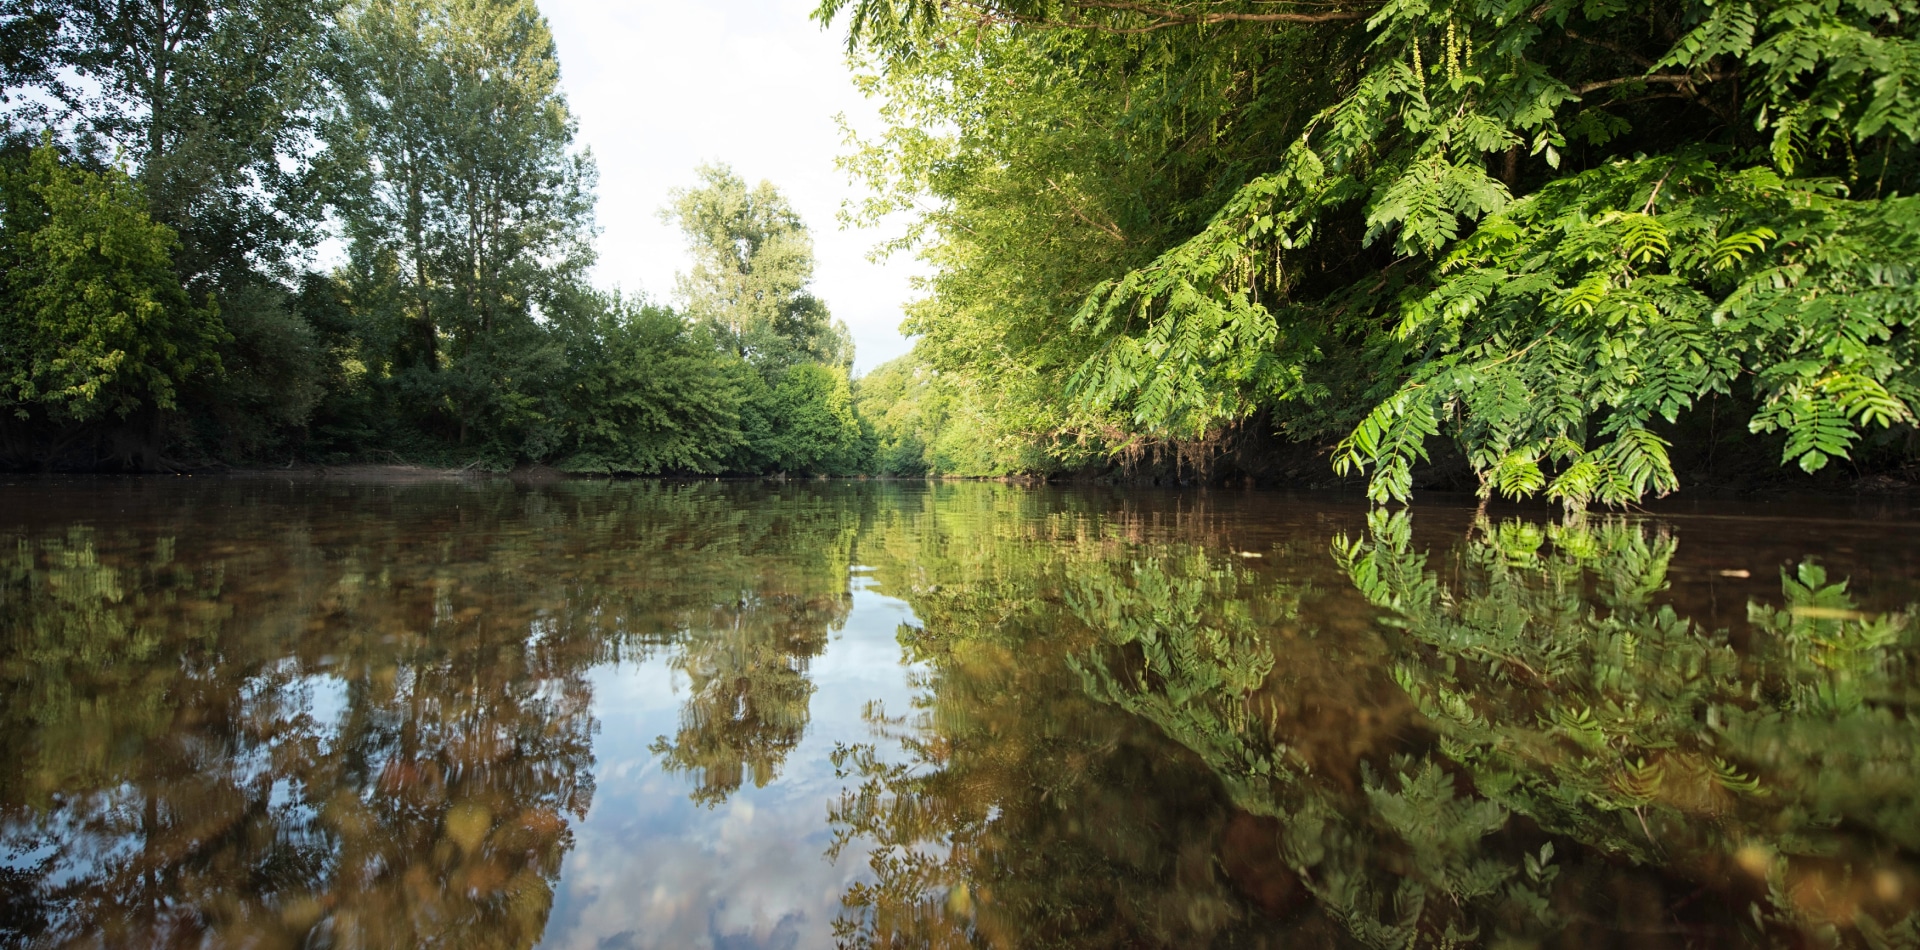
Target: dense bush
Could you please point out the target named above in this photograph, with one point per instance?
(94, 324)
(649, 394)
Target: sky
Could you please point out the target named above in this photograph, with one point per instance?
(660, 86)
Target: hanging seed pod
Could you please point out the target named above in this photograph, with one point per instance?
(1453, 52)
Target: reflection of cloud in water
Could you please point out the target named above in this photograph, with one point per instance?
(739, 876)
(650, 868)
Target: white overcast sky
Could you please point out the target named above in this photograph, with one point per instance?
(660, 86)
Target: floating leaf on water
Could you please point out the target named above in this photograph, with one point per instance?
(301, 913)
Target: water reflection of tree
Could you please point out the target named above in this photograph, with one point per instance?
(749, 690)
(1131, 731)
(1029, 811)
(180, 778)
(1531, 748)
(746, 656)
(175, 787)
(1781, 771)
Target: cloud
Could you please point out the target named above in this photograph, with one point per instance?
(738, 876)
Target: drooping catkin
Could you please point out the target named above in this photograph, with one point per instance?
(1453, 52)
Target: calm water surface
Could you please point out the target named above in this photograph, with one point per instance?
(262, 713)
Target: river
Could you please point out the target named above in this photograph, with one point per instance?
(261, 712)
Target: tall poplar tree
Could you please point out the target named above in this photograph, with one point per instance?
(463, 198)
(753, 262)
(211, 102)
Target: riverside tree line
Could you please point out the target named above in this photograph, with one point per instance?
(171, 166)
(1554, 247)
(1567, 248)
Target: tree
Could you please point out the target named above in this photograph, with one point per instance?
(931, 423)
(94, 325)
(29, 44)
(453, 144)
(1549, 233)
(802, 424)
(208, 104)
(211, 101)
(894, 399)
(753, 260)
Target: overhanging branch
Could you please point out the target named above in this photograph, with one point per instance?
(1664, 79)
(1100, 15)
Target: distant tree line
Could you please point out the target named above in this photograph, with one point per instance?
(171, 172)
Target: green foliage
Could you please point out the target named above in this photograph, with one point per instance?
(433, 138)
(274, 375)
(210, 108)
(1567, 327)
(1546, 232)
(649, 394)
(753, 260)
(95, 323)
(1026, 166)
(928, 423)
(463, 311)
(212, 104)
(450, 148)
(801, 424)
(895, 398)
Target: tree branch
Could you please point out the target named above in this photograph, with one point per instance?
(1682, 79)
(1160, 17)
(1176, 17)
(1074, 207)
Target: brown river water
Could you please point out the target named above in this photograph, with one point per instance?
(253, 712)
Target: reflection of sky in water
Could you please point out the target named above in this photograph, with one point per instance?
(650, 868)
(319, 699)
